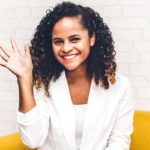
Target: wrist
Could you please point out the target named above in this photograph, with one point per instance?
(25, 79)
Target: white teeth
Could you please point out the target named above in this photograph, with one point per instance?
(69, 57)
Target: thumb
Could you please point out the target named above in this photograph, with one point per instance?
(27, 50)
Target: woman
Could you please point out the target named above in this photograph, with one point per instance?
(78, 100)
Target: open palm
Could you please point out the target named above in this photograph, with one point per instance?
(15, 61)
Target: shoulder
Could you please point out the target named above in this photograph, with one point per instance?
(39, 94)
(39, 91)
(121, 85)
(121, 80)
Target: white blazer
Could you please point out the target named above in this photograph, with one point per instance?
(108, 123)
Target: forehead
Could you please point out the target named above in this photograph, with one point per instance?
(68, 26)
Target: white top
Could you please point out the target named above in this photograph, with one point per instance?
(80, 114)
(108, 122)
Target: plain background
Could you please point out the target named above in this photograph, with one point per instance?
(129, 21)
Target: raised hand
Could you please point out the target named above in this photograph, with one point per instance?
(17, 63)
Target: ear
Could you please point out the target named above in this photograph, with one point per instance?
(92, 39)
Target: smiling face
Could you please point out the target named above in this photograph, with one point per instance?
(71, 43)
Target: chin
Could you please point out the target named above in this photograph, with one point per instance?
(71, 68)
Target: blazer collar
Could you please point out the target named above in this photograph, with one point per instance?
(62, 100)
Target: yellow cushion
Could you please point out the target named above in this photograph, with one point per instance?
(12, 142)
(140, 138)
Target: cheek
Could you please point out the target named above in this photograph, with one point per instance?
(82, 46)
(56, 54)
(55, 50)
(85, 48)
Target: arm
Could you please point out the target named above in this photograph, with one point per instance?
(32, 120)
(123, 127)
(33, 125)
(22, 67)
(26, 98)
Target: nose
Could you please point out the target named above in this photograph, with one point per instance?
(67, 47)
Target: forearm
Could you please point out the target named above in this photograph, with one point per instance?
(26, 97)
(33, 125)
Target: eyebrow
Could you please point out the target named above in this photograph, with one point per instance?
(74, 35)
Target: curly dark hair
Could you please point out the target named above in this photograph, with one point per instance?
(101, 63)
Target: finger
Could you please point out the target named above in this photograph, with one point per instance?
(14, 45)
(4, 57)
(5, 50)
(27, 50)
(3, 64)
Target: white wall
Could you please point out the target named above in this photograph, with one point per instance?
(129, 21)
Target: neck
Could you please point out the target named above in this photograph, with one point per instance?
(77, 75)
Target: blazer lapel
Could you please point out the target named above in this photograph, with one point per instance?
(97, 97)
(66, 112)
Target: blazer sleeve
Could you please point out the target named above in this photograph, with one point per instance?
(123, 127)
(33, 125)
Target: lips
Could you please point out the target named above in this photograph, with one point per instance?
(67, 57)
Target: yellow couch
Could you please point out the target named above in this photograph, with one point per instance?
(140, 138)
(12, 142)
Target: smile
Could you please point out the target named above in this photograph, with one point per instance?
(70, 57)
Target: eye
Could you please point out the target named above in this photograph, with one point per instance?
(75, 39)
(58, 42)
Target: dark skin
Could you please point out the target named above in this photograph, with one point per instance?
(79, 86)
(22, 67)
(71, 47)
